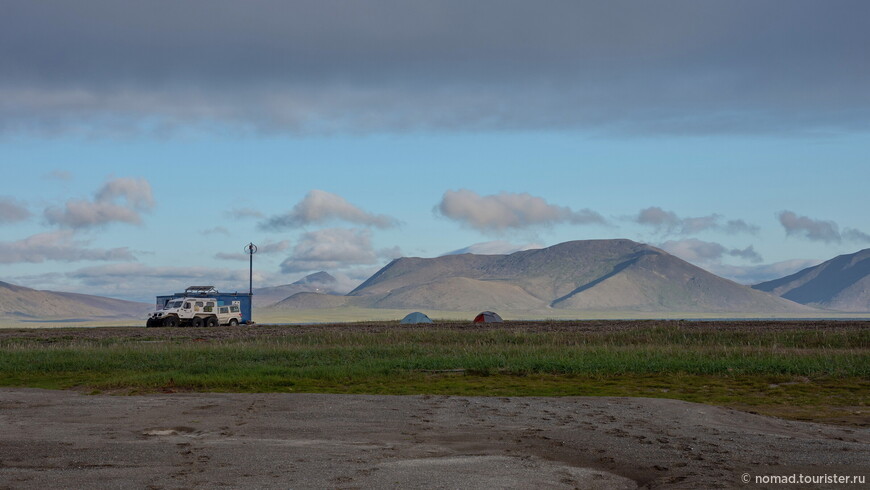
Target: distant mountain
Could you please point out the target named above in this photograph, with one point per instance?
(842, 283)
(319, 282)
(21, 303)
(304, 301)
(591, 275)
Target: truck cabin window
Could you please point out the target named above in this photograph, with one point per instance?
(172, 304)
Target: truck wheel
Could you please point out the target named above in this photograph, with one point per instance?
(196, 322)
(149, 323)
(234, 322)
(170, 322)
(211, 322)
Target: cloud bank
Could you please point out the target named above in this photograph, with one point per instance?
(506, 210)
(57, 246)
(744, 66)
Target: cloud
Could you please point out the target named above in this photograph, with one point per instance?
(267, 248)
(136, 192)
(57, 246)
(755, 274)
(117, 201)
(322, 207)
(391, 65)
(243, 213)
(141, 282)
(735, 226)
(506, 210)
(11, 211)
(496, 247)
(658, 218)
(333, 249)
(700, 252)
(853, 235)
(668, 223)
(819, 230)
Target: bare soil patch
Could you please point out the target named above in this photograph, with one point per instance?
(63, 438)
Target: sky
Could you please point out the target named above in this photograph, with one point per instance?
(144, 144)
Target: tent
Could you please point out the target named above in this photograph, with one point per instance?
(487, 317)
(416, 317)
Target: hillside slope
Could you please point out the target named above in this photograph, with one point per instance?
(319, 282)
(842, 283)
(19, 302)
(602, 275)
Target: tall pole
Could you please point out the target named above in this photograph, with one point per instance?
(251, 249)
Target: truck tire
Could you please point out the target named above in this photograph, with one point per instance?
(234, 322)
(211, 322)
(170, 322)
(149, 323)
(196, 322)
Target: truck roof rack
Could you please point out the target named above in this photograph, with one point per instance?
(203, 290)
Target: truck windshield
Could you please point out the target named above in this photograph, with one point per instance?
(172, 304)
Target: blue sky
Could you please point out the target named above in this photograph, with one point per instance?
(134, 167)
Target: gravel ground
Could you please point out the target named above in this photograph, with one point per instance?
(52, 439)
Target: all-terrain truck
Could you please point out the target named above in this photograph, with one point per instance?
(201, 306)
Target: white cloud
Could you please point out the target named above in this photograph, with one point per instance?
(319, 207)
(12, 211)
(118, 201)
(136, 192)
(506, 210)
(57, 246)
(334, 249)
(700, 252)
(496, 247)
(819, 230)
(669, 223)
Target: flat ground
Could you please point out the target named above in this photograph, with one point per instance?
(64, 438)
(391, 406)
(266, 331)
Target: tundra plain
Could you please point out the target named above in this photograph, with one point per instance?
(606, 404)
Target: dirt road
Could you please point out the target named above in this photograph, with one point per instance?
(53, 439)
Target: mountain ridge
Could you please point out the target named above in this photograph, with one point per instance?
(616, 274)
(26, 303)
(318, 282)
(841, 283)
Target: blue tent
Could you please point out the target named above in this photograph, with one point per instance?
(416, 317)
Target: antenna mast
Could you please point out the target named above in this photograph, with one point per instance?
(251, 249)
